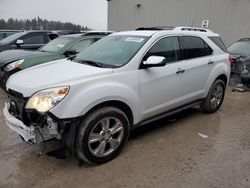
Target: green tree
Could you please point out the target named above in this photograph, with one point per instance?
(38, 23)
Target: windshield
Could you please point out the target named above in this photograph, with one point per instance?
(113, 50)
(2, 36)
(241, 47)
(11, 38)
(56, 45)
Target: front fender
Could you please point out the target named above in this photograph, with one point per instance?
(82, 100)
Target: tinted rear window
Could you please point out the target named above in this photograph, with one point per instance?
(194, 47)
(219, 43)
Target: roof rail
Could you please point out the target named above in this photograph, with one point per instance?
(88, 33)
(155, 28)
(244, 39)
(192, 29)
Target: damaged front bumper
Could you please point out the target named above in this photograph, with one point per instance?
(27, 133)
(31, 133)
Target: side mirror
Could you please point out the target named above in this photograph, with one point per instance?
(154, 61)
(19, 42)
(70, 53)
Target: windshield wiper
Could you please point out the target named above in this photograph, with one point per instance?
(72, 57)
(92, 63)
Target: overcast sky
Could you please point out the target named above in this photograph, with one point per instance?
(91, 13)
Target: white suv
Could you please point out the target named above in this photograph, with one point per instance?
(127, 79)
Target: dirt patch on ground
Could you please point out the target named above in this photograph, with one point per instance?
(166, 153)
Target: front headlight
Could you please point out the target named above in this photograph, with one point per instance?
(14, 65)
(44, 100)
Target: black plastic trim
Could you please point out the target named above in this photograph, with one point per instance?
(168, 113)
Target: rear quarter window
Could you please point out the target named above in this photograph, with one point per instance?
(219, 43)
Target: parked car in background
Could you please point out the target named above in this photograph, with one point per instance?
(27, 40)
(124, 80)
(6, 33)
(12, 61)
(67, 32)
(240, 51)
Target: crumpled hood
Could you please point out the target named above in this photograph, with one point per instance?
(57, 73)
(13, 55)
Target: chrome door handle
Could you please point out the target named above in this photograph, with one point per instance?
(210, 62)
(180, 71)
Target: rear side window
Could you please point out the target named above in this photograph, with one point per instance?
(219, 43)
(167, 47)
(194, 47)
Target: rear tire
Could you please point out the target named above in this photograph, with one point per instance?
(102, 135)
(214, 98)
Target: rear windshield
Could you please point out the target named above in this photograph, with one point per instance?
(219, 43)
(240, 47)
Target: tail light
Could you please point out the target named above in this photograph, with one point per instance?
(230, 59)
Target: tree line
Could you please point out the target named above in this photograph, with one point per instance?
(39, 24)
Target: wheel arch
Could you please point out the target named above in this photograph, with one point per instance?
(118, 104)
(223, 77)
(220, 71)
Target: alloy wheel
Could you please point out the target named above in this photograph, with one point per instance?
(105, 137)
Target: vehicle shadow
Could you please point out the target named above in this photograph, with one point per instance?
(57, 151)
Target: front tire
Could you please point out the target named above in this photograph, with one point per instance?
(102, 135)
(214, 98)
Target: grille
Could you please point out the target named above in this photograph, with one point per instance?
(15, 94)
(19, 101)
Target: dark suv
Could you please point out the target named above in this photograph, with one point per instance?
(6, 33)
(27, 40)
(240, 51)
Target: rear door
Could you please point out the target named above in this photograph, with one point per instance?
(199, 62)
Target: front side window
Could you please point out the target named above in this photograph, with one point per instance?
(167, 47)
(194, 47)
(113, 50)
(80, 45)
(33, 39)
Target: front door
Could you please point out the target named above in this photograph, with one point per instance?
(162, 88)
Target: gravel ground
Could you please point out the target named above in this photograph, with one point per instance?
(166, 153)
